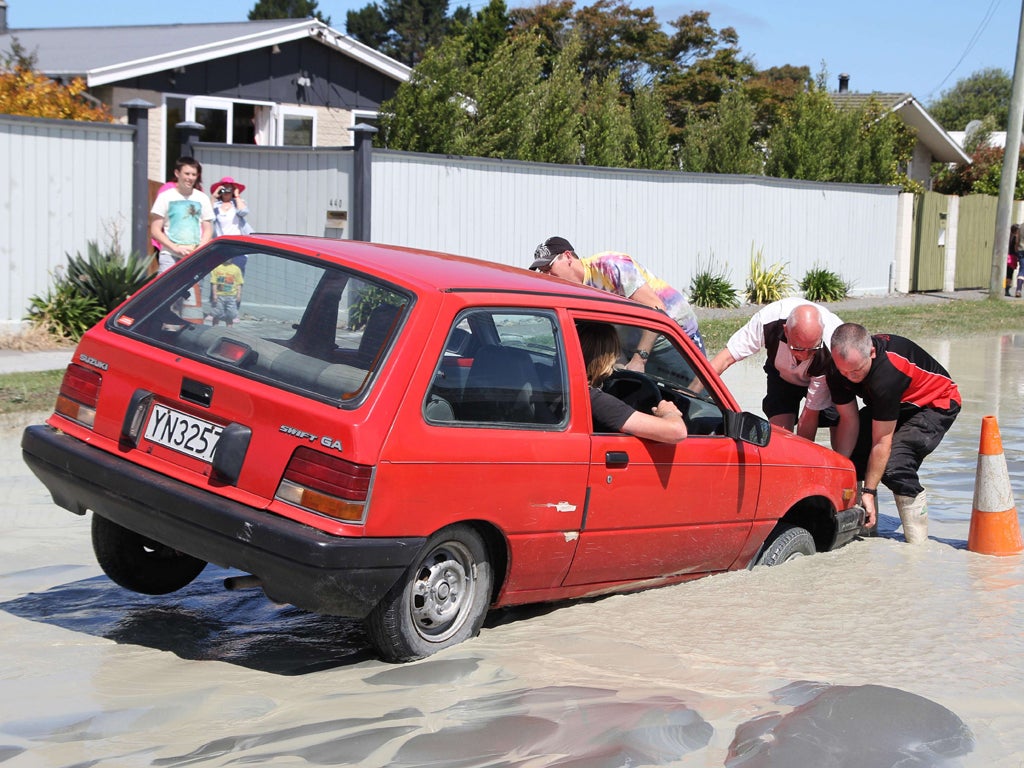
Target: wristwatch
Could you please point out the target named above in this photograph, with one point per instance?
(643, 353)
(869, 491)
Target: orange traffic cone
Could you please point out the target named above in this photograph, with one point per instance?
(995, 529)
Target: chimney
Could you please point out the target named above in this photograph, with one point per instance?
(3, 17)
(844, 79)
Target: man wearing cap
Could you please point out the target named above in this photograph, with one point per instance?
(795, 334)
(621, 274)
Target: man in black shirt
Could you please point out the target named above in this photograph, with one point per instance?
(910, 402)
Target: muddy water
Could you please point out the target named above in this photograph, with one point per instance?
(877, 655)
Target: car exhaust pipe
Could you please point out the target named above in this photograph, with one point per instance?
(235, 583)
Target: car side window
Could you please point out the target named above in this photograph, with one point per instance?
(671, 368)
(500, 367)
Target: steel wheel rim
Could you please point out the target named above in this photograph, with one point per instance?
(443, 591)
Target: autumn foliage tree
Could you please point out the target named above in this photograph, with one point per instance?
(24, 91)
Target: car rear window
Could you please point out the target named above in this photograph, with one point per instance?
(303, 325)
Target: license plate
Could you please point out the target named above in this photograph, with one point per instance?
(183, 433)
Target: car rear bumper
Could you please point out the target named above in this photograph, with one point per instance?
(295, 563)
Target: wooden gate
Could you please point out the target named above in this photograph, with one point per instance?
(929, 242)
(975, 230)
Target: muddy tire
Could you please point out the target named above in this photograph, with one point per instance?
(786, 543)
(134, 562)
(440, 601)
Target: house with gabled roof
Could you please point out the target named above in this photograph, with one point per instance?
(934, 144)
(289, 83)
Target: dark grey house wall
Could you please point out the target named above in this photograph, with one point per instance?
(335, 79)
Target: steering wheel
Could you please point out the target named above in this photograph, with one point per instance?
(636, 389)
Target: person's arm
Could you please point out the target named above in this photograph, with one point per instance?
(665, 424)
(878, 458)
(205, 234)
(844, 439)
(807, 425)
(241, 208)
(645, 295)
(722, 361)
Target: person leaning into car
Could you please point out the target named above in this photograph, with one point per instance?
(621, 274)
(601, 351)
(795, 334)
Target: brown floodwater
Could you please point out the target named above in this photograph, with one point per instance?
(879, 654)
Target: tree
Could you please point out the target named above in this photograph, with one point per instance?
(614, 36)
(609, 139)
(402, 29)
(817, 141)
(556, 116)
(432, 111)
(771, 90)
(722, 142)
(287, 9)
(704, 65)
(506, 91)
(24, 91)
(985, 93)
(652, 130)
(484, 32)
(982, 176)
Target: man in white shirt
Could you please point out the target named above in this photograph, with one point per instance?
(181, 218)
(796, 335)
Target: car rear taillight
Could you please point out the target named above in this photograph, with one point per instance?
(326, 484)
(79, 394)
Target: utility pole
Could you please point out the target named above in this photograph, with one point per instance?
(1008, 183)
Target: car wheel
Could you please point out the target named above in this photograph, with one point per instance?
(140, 564)
(787, 543)
(440, 601)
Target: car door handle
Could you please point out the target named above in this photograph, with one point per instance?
(616, 459)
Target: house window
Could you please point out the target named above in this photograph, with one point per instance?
(297, 127)
(223, 120)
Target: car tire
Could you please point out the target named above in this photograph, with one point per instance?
(134, 562)
(788, 542)
(440, 601)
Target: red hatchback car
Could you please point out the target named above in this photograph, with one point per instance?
(406, 438)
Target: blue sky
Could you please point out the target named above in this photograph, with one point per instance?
(917, 46)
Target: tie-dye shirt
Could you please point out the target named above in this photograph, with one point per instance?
(621, 274)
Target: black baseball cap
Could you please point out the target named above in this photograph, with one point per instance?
(548, 250)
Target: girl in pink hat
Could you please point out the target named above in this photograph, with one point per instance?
(230, 213)
(229, 209)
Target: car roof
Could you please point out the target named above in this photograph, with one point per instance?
(424, 270)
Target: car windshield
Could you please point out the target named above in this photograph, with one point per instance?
(307, 326)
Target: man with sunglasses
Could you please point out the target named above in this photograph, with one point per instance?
(910, 402)
(621, 274)
(795, 335)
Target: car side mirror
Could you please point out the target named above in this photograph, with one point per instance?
(748, 428)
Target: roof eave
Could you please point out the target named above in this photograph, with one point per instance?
(306, 28)
(943, 148)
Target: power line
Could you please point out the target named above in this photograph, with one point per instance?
(970, 45)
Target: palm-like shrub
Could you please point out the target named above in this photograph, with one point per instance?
(820, 284)
(90, 288)
(766, 284)
(711, 287)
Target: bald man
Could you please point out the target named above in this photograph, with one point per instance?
(795, 334)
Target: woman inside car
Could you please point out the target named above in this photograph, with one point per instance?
(601, 351)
